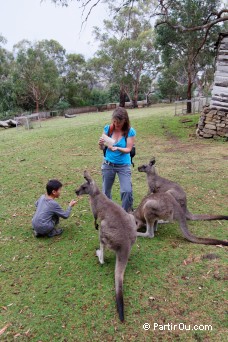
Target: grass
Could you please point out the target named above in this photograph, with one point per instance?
(55, 290)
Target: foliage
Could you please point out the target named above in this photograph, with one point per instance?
(98, 97)
(168, 88)
(104, 96)
(7, 100)
(77, 81)
(55, 52)
(113, 93)
(62, 105)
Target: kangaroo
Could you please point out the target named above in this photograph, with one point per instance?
(159, 185)
(163, 206)
(117, 231)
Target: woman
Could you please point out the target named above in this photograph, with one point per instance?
(117, 158)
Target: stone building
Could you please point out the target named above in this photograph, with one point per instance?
(214, 118)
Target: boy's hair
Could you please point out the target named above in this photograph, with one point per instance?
(53, 184)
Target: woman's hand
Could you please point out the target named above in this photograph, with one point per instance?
(130, 143)
(113, 148)
(101, 143)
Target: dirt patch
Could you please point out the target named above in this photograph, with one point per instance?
(179, 146)
(171, 136)
(210, 256)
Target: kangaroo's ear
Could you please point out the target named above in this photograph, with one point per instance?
(152, 161)
(87, 177)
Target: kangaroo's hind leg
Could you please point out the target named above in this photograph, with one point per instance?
(100, 253)
(149, 230)
(156, 226)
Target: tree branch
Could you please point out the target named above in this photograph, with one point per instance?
(206, 26)
(201, 45)
(90, 10)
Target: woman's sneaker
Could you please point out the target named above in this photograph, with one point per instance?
(55, 232)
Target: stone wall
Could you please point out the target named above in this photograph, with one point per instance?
(214, 119)
(212, 123)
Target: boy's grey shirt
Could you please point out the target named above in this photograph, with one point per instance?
(46, 210)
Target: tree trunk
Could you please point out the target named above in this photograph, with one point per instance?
(122, 96)
(136, 91)
(135, 96)
(134, 102)
(189, 95)
(37, 106)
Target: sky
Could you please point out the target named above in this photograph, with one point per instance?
(33, 20)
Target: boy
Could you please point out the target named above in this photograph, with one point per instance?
(49, 211)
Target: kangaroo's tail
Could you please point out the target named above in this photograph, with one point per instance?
(190, 237)
(121, 263)
(204, 217)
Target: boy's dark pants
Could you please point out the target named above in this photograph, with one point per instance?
(46, 230)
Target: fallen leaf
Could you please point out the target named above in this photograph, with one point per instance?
(4, 329)
(17, 335)
(27, 332)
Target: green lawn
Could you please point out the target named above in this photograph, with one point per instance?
(55, 290)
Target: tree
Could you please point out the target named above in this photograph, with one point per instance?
(36, 77)
(7, 100)
(78, 80)
(126, 51)
(170, 86)
(186, 49)
(54, 51)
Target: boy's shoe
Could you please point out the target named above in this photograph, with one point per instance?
(36, 234)
(55, 232)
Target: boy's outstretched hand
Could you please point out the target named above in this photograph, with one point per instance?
(72, 203)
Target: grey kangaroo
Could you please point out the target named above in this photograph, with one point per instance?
(159, 185)
(163, 206)
(117, 231)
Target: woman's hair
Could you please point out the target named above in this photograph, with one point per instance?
(53, 184)
(120, 114)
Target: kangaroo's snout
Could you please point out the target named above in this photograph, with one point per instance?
(142, 168)
(77, 191)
